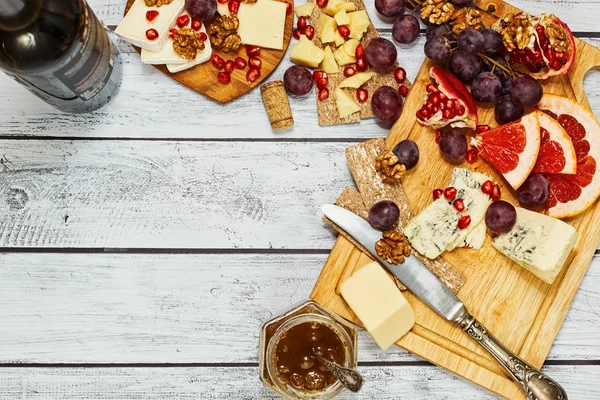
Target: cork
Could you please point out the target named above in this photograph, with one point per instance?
(277, 105)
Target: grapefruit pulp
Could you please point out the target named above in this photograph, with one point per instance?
(557, 154)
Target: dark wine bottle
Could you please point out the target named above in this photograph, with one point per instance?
(60, 52)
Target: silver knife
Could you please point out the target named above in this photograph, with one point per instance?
(426, 286)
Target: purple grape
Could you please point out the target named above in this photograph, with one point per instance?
(386, 103)
(407, 152)
(203, 10)
(507, 111)
(526, 92)
(493, 41)
(297, 80)
(389, 8)
(437, 30)
(453, 145)
(465, 66)
(380, 53)
(437, 48)
(486, 87)
(500, 216)
(506, 84)
(471, 41)
(383, 215)
(406, 29)
(534, 191)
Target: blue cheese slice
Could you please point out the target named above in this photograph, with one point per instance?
(476, 238)
(538, 243)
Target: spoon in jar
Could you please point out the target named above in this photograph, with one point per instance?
(350, 378)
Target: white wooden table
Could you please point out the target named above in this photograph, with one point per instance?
(143, 245)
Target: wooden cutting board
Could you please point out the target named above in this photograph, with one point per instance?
(203, 78)
(521, 310)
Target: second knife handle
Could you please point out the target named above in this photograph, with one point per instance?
(537, 385)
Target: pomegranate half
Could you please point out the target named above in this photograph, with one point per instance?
(448, 102)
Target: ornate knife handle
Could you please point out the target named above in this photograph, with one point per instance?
(537, 385)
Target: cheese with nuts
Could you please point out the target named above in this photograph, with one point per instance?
(379, 304)
(262, 23)
(134, 25)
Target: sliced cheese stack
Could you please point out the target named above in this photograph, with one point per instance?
(539, 243)
(379, 304)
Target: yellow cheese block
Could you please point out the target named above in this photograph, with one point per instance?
(303, 10)
(348, 6)
(329, 65)
(341, 18)
(342, 57)
(306, 53)
(345, 104)
(359, 22)
(379, 304)
(350, 47)
(333, 6)
(327, 29)
(256, 30)
(357, 80)
(339, 40)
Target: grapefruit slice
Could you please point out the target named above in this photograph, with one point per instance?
(512, 148)
(572, 194)
(557, 153)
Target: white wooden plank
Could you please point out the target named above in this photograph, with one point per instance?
(186, 308)
(381, 383)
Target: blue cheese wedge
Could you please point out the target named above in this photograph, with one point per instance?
(538, 243)
(435, 229)
(476, 238)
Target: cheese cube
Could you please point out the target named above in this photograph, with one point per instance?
(348, 6)
(341, 18)
(333, 6)
(327, 29)
(329, 65)
(134, 25)
(357, 80)
(359, 22)
(350, 47)
(306, 53)
(342, 57)
(346, 105)
(338, 39)
(538, 243)
(304, 10)
(257, 30)
(379, 304)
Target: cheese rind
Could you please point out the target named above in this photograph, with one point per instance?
(538, 243)
(379, 304)
(256, 30)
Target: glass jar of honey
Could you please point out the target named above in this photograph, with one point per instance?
(287, 344)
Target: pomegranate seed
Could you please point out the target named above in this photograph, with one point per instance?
(446, 114)
(150, 15)
(252, 51)
(217, 61)
(360, 52)
(255, 62)
(438, 136)
(349, 71)
(172, 32)
(450, 193)
(482, 128)
(223, 1)
(252, 75)
(233, 6)
(459, 205)
(400, 74)
(437, 193)
(288, 8)
(464, 222)
(344, 31)
(203, 37)
(296, 34)
(322, 83)
(361, 64)
(421, 114)
(318, 75)
(183, 21)
(152, 34)
(223, 78)
(487, 187)
(496, 193)
(323, 94)
(403, 90)
(460, 110)
(196, 24)
(302, 22)
(228, 66)
(322, 3)
(310, 32)
(472, 156)
(240, 63)
(432, 88)
(362, 95)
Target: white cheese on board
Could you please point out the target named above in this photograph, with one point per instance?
(134, 25)
(262, 23)
(538, 243)
(476, 238)
(223, 8)
(379, 304)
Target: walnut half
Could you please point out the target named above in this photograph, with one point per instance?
(437, 11)
(393, 247)
(389, 167)
(223, 33)
(186, 43)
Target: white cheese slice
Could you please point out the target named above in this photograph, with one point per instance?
(378, 303)
(133, 27)
(476, 238)
(262, 23)
(223, 8)
(538, 243)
